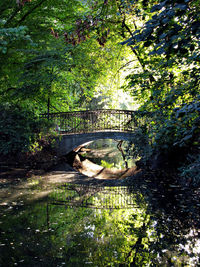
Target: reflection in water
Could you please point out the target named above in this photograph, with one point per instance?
(63, 231)
(99, 197)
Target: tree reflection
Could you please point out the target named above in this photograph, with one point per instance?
(144, 235)
(175, 220)
(157, 230)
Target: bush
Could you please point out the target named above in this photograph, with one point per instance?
(190, 173)
(19, 129)
(180, 128)
(173, 134)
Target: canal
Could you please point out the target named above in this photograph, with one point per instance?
(50, 220)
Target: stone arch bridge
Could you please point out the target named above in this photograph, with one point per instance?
(79, 127)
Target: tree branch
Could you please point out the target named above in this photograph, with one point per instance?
(29, 12)
(125, 65)
(151, 78)
(15, 12)
(119, 146)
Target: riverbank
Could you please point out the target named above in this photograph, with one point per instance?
(46, 163)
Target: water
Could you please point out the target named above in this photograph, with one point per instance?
(146, 224)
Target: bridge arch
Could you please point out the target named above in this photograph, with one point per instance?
(69, 142)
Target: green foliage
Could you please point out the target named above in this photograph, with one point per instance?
(19, 129)
(170, 29)
(140, 147)
(165, 41)
(44, 65)
(10, 36)
(181, 128)
(60, 69)
(107, 164)
(190, 172)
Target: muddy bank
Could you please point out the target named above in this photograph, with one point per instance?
(88, 168)
(73, 168)
(49, 170)
(24, 165)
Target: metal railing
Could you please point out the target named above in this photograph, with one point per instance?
(95, 120)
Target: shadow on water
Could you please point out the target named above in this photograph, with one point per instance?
(145, 224)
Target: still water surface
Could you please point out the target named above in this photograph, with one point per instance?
(76, 225)
(153, 222)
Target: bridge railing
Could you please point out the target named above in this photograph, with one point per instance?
(95, 120)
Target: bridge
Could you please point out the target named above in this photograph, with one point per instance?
(79, 127)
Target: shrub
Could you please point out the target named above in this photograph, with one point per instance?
(190, 172)
(19, 129)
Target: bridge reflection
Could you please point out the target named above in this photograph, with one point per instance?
(98, 197)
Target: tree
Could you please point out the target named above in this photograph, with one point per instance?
(71, 38)
(168, 38)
